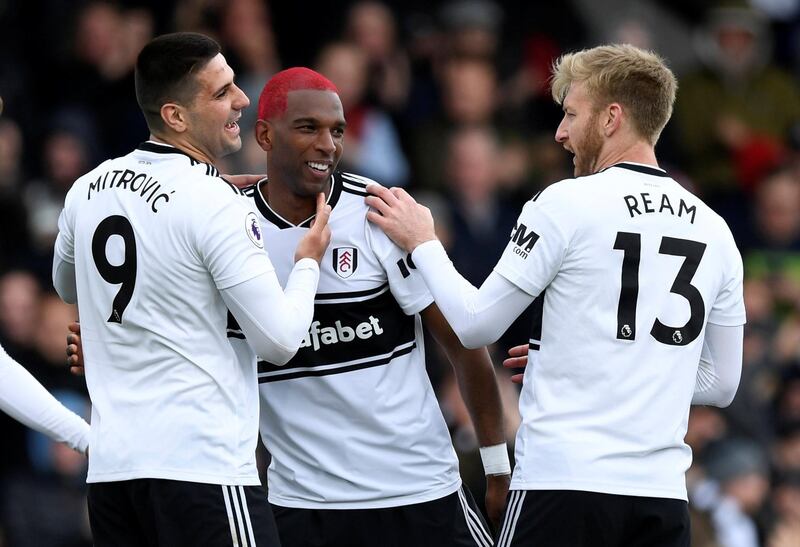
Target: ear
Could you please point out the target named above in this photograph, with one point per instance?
(612, 119)
(264, 134)
(174, 117)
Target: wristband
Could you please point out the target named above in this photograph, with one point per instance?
(495, 459)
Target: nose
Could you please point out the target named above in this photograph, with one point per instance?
(561, 133)
(325, 143)
(241, 101)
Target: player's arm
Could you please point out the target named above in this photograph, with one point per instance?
(64, 260)
(478, 385)
(720, 366)
(24, 399)
(478, 316)
(275, 320)
(64, 280)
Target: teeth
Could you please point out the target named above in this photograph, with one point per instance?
(317, 166)
(231, 125)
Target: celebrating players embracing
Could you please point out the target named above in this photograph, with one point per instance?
(156, 248)
(640, 314)
(361, 454)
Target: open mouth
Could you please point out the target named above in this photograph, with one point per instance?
(319, 167)
(232, 126)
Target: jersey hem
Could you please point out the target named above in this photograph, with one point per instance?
(419, 305)
(729, 321)
(517, 279)
(250, 479)
(602, 488)
(397, 501)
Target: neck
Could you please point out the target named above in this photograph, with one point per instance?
(288, 204)
(636, 152)
(185, 146)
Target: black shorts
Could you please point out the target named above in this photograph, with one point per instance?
(451, 521)
(167, 513)
(556, 518)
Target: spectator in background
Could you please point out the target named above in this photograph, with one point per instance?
(248, 38)
(733, 116)
(68, 153)
(472, 28)
(11, 171)
(372, 27)
(14, 237)
(469, 97)
(106, 41)
(786, 504)
(734, 491)
(771, 251)
(373, 147)
(20, 298)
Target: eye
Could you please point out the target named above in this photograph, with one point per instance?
(222, 93)
(338, 132)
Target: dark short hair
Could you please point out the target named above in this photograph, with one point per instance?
(165, 71)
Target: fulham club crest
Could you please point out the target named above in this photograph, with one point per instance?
(345, 261)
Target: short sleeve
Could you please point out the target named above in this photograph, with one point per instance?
(230, 243)
(538, 244)
(728, 309)
(405, 282)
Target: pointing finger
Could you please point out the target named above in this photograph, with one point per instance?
(322, 215)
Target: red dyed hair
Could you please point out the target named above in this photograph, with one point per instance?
(274, 96)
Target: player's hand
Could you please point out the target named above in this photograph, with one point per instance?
(405, 221)
(243, 181)
(496, 495)
(316, 240)
(518, 358)
(75, 349)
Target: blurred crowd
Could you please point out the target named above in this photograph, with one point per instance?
(451, 100)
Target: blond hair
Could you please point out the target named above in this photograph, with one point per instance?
(637, 79)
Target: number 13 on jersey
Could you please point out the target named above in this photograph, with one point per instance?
(631, 245)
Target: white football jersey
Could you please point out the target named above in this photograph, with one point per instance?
(630, 267)
(352, 420)
(154, 236)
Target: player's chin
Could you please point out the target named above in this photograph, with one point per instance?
(231, 145)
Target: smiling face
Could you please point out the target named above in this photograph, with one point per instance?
(304, 144)
(212, 117)
(579, 131)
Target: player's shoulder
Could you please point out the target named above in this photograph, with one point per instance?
(214, 192)
(564, 191)
(349, 191)
(353, 184)
(90, 178)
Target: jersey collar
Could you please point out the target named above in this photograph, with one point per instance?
(639, 168)
(162, 148)
(282, 223)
